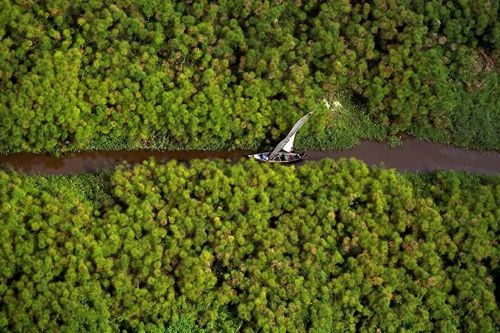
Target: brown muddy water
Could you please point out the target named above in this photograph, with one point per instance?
(413, 155)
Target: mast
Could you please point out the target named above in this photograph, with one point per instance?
(290, 137)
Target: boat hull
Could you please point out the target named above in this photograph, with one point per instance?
(283, 157)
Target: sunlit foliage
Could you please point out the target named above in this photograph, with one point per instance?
(329, 246)
(77, 74)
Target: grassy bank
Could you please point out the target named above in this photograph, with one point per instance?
(336, 128)
(474, 119)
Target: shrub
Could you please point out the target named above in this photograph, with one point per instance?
(83, 74)
(329, 246)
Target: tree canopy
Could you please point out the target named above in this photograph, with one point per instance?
(205, 74)
(328, 246)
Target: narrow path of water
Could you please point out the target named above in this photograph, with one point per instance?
(413, 155)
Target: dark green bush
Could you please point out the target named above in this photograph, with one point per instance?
(330, 246)
(84, 74)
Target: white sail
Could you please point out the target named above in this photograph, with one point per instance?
(289, 145)
(290, 136)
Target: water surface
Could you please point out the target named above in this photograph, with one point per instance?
(413, 155)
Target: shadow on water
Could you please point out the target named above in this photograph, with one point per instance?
(412, 155)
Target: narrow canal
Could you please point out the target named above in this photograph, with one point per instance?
(413, 155)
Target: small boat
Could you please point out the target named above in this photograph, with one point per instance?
(282, 157)
(283, 151)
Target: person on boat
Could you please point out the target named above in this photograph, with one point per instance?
(263, 156)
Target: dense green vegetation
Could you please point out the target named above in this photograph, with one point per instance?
(199, 74)
(327, 247)
(475, 119)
